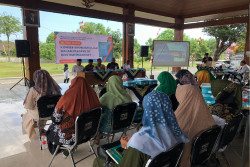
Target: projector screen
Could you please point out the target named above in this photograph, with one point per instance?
(171, 54)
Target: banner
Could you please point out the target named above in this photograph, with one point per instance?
(72, 46)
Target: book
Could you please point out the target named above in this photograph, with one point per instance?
(115, 153)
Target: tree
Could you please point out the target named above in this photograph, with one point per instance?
(225, 36)
(137, 48)
(9, 25)
(151, 48)
(95, 28)
(117, 44)
(51, 38)
(47, 51)
(166, 35)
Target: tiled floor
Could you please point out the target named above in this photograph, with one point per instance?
(17, 150)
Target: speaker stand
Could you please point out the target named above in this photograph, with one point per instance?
(142, 61)
(26, 81)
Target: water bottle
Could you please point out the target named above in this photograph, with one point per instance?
(115, 68)
(44, 142)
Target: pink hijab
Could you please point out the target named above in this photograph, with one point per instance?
(192, 115)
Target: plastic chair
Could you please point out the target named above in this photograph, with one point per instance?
(203, 145)
(122, 118)
(169, 158)
(86, 128)
(229, 132)
(46, 106)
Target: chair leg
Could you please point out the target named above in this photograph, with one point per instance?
(92, 149)
(225, 159)
(72, 159)
(108, 135)
(113, 136)
(57, 148)
(39, 133)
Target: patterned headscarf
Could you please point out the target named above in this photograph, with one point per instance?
(185, 77)
(45, 84)
(160, 129)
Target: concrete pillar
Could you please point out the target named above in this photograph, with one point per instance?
(128, 40)
(178, 36)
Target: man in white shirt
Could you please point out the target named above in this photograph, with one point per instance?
(78, 67)
(126, 65)
(244, 70)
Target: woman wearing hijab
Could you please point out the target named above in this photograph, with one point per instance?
(45, 85)
(80, 97)
(228, 97)
(159, 133)
(115, 95)
(168, 86)
(192, 115)
(66, 73)
(204, 76)
(185, 77)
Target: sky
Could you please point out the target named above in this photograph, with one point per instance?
(50, 22)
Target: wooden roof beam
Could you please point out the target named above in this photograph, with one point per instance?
(236, 20)
(225, 10)
(151, 11)
(156, 23)
(78, 11)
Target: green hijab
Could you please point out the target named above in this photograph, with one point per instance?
(116, 94)
(168, 84)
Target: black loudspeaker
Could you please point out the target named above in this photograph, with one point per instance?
(22, 48)
(144, 51)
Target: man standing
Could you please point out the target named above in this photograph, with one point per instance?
(206, 58)
(90, 66)
(78, 67)
(113, 65)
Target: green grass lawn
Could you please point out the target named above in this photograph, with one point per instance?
(9, 69)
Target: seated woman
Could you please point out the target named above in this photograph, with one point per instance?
(168, 86)
(228, 97)
(159, 133)
(192, 115)
(44, 85)
(115, 95)
(80, 97)
(185, 77)
(204, 76)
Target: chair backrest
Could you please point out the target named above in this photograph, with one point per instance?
(230, 130)
(203, 145)
(46, 105)
(102, 92)
(87, 124)
(123, 115)
(169, 158)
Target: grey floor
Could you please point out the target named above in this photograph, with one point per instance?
(18, 150)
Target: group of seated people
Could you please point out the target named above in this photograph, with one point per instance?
(175, 113)
(99, 66)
